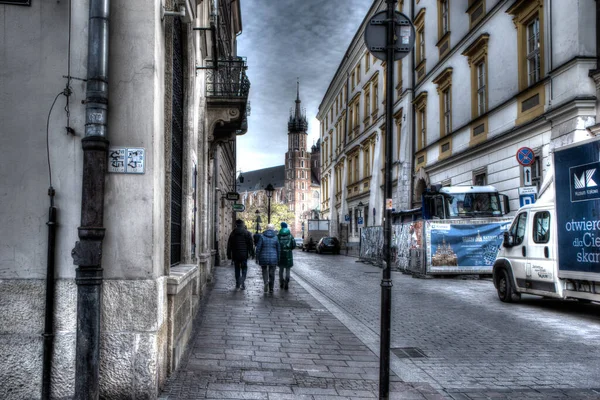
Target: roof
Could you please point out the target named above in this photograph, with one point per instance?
(260, 178)
(468, 189)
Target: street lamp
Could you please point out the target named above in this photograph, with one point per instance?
(269, 189)
(360, 209)
(258, 220)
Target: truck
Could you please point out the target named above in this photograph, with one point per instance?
(552, 248)
(315, 230)
(457, 202)
(456, 231)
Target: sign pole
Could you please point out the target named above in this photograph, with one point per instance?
(386, 282)
(389, 36)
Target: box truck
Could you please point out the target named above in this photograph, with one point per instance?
(552, 247)
(316, 229)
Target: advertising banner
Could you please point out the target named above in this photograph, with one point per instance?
(454, 247)
(577, 176)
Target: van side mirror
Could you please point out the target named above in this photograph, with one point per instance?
(504, 204)
(508, 240)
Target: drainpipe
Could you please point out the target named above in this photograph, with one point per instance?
(50, 284)
(87, 253)
(216, 223)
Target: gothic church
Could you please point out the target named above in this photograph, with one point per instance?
(298, 182)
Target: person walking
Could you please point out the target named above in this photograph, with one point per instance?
(267, 256)
(286, 258)
(239, 247)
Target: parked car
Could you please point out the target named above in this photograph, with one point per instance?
(328, 244)
(299, 242)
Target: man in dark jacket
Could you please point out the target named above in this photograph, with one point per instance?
(239, 247)
(267, 256)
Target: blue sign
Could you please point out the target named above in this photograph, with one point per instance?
(360, 220)
(525, 199)
(346, 217)
(525, 156)
(576, 168)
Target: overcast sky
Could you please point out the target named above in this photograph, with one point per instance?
(284, 40)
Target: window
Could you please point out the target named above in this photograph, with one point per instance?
(481, 88)
(444, 86)
(356, 168)
(367, 104)
(533, 51)
(476, 11)
(476, 55)
(541, 227)
(421, 48)
(420, 103)
(480, 178)
(447, 112)
(375, 107)
(443, 43)
(528, 18)
(477, 58)
(352, 79)
(358, 73)
(367, 157)
(367, 61)
(302, 163)
(419, 23)
(445, 17)
(518, 228)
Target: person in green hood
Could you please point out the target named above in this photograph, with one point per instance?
(286, 259)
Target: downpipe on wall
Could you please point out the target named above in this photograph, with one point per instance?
(87, 254)
(50, 285)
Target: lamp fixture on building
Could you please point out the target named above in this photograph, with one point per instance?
(269, 189)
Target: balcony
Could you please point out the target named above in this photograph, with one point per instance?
(228, 80)
(227, 90)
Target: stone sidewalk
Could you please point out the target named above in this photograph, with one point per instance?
(285, 345)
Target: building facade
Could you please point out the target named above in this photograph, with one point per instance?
(128, 114)
(485, 78)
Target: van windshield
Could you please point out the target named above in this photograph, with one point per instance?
(473, 204)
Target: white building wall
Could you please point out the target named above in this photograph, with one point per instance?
(33, 59)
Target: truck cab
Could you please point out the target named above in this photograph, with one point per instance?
(526, 261)
(452, 202)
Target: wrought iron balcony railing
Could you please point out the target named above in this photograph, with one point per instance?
(228, 79)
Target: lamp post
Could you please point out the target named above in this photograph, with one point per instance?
(258, 220)
(269, 189)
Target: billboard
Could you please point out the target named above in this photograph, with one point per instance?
(455, 247)
(577, 180)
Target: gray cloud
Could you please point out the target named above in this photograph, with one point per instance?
(284, 40)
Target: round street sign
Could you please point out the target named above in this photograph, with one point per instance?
(525, 156)
(376, 35)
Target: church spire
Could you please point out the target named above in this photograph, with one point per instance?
(298, 122)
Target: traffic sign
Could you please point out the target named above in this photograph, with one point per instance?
(376, 35)
(526, 199)
(232, 196)
(360, 221)
(527, 176)
(238, 207)
(525, 156)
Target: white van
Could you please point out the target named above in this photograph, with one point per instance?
(552, 248)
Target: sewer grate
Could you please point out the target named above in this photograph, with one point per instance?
(408, 352)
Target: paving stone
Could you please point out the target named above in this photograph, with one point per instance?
(289, 345)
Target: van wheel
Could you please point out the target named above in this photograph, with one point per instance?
(506, 292)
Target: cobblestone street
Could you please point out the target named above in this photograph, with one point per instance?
(319, 340)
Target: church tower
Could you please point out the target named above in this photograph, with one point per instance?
(298, 167)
